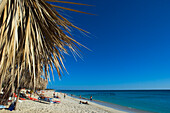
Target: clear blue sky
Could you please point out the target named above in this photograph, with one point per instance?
(130, 43)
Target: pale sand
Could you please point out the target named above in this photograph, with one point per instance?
(67, 105)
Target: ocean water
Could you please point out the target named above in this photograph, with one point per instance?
(148, 100)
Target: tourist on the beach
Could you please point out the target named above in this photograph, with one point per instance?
(27, 92)
(91, 98)
(54, 94)
(80, 96)
(64, 95)
(81, 102)
(57, 96)
(31, 92)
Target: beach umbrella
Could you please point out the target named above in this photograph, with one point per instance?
(33, 39)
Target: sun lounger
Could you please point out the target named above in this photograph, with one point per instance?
(47, 99)
(34, 99)
(19, 97)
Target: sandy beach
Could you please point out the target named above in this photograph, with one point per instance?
(67, 105)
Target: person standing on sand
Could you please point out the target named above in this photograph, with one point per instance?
(54, 94)
(80, 96)
(64, 95)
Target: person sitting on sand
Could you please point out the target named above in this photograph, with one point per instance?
(23, 95)
(81, 102)
(27, 92)
(41, 96)
(48, 99)
(57, 96)
(31, 93)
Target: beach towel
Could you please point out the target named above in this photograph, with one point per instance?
(56, 102)
(2, 107)
(21, 98)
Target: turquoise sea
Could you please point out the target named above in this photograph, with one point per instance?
(148, 100)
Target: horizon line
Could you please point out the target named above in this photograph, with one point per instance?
(107, 89)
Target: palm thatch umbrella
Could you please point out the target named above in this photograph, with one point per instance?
(33, 39)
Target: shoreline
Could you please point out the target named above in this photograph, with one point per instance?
(112, 105)
(92, 103)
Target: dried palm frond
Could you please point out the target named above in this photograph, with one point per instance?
(33, 38)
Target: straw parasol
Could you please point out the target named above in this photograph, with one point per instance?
(33, 39)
